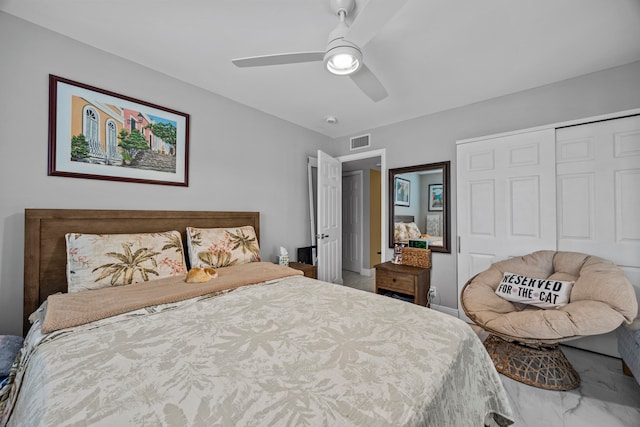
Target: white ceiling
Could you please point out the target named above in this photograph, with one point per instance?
(432, 56)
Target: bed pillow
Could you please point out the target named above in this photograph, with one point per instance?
(97, 261)
(413, 231)
(543, 293)
(403, 231)
(400, 232)
(222, 247)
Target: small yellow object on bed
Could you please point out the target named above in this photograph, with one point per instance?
(200, 275)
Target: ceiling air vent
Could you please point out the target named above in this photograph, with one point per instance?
(359, 142)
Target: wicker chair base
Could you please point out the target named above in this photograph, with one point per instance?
(543, 367)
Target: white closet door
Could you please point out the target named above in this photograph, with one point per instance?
(506, 199)
(598, 187)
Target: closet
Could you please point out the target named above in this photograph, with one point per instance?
(570, 187)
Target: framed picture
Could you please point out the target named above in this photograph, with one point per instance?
(401, 192)
(435, 197)
(97, 134)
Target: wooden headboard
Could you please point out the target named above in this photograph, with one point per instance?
(403, 218)
(45, 248)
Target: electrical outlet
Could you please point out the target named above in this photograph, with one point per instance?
(433, 292)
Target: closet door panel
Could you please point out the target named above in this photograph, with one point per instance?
(576, 207)
(506, 199)
(627, 187)
(524, 207)
(598, 189)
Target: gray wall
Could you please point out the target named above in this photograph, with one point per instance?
(240, 158)
(432, 138)
(271, 179)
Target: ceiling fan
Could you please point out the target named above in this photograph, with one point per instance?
(343, 54)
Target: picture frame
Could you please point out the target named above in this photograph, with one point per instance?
(436, 197)
(99, 134)
(402, 191)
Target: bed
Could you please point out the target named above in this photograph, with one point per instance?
(288, 350)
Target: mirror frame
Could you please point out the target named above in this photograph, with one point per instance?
(446, 214)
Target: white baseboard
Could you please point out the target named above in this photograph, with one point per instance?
(446, 310)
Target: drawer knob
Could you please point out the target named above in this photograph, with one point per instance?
(393, 280)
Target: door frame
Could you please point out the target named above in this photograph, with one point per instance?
(312, 162)
(382, 153)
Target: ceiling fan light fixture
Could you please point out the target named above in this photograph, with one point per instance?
(343, 60)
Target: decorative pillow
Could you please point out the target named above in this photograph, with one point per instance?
(222, 247)
(400, 232)
(543, 293)
(413, 231)
(97, 261)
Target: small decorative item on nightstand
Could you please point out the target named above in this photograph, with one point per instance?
(416, 257)
(397, 253)
(283, 258)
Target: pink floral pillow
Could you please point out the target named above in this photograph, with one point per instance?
(97, 261)
(400, 233)
(222, 247)
(413, 231)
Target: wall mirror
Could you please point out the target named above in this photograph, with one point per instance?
(419, 200)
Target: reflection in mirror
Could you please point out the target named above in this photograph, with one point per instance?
(419, 205)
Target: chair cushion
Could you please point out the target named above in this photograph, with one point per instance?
(601, 298)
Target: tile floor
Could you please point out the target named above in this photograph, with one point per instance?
(605, 398)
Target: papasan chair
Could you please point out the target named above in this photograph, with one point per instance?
(524, 339)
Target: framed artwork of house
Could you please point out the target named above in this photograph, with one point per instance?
(98, 134)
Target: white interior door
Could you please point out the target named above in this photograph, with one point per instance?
(506, 200)
(352, 218)
(598, 186)
(329, 234)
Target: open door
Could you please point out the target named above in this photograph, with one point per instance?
(329, 236)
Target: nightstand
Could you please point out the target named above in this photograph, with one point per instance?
(406, 280)
(308, 269)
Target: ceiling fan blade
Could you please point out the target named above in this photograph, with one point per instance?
(284, 58)
(369, 84)
(371, 19)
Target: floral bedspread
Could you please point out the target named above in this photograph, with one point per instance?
(296, 351)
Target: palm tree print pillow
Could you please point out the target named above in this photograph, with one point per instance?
(97, 261)
(222, 247)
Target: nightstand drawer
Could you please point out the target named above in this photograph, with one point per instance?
(398, 282)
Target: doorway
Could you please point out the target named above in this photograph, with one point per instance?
(371, 217)
(362, 214)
